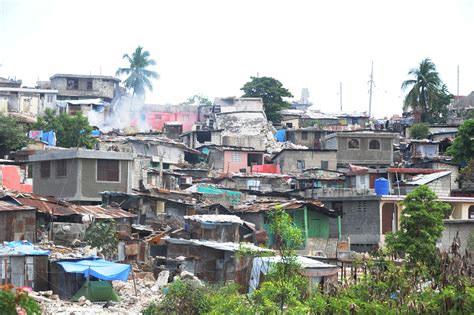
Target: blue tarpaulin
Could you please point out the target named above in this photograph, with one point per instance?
(21, 248)
(98, 268)
(280, 135)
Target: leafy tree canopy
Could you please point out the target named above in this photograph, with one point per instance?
(198, 99)
(103, 234)
(272, 92)
(421, 225)
(427, 93)
(12, 135)
(420, 131)
(462, 148)
(71, 131)
(139, 77)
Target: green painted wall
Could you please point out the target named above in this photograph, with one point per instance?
(318, 224)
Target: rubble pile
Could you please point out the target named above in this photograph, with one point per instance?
(129, 302)
(58, 252)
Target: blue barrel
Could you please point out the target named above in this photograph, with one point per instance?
(382, 186)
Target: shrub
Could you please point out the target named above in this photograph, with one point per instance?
(12, 300)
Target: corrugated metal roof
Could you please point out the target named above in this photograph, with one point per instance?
(427, 178)
(7, 206)
(57, 207)
(215, 218)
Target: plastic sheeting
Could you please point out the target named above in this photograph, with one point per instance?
(99, 268)
(21, 248)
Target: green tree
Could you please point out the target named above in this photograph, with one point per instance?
(12, 135)
(421, 225)
(438, 111)
(272, 92)
(71, 131)
(427, 92)
(284, 285)
(199, 99)
(139, 77)
(462, 149)
(103, 234)
(420, 131)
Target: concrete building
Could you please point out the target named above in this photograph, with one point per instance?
(297, 160)
(232, 159)
(157, 116)
(79, 175)
(367, 219)
(77, 86)
(30, 101)
(309, 137)
(367, 148)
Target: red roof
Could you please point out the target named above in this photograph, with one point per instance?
(413, 170)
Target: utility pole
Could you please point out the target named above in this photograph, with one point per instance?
(340, 95)
(457, 93)
(370, 91)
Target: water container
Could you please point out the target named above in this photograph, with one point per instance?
(382, 186)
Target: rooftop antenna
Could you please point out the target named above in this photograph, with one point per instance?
(372, 84)
(340, 95)
(457, 92)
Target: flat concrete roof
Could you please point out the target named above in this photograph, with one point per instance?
(79, 154)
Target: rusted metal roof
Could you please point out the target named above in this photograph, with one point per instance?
(413, 170)
(291, 205)
(7, 206)
(57, 207)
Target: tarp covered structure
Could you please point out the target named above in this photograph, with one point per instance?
(98, 268)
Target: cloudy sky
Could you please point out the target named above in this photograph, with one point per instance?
(213, 47)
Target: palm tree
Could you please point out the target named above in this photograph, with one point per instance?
(138, 76)
(425, 84)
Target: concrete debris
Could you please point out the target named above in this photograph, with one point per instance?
(129, 302)
(161, 281)
(61, 252)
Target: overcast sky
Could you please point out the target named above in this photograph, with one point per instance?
(213, 47)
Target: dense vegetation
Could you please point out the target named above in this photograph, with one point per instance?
(71, 131)
(12, 135)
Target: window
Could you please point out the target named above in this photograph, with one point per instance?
(374, 145)
(289, 125)
(324, 165)
(300, 164)
(72, 84)
(157, 116)
(50, 98)
(185, 117)
(235, 156)
(353, 144)
(89, 84)
(471, 212)
(61, 168)
(304, 135)
(45, 169)
(108, 170)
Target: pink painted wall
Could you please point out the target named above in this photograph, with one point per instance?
(11, 180)
(266, 168)
(157, 119)
(234, 167)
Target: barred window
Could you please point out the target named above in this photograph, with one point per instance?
(61, 168)
(108, 170)
(45, 169)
